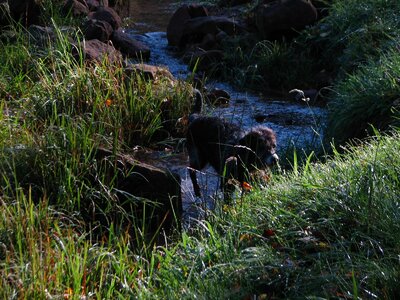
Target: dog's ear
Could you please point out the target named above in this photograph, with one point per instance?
(259, 137)
(250, 140)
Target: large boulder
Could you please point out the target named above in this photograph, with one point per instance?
(161, 187)
(129, 46)
(95, 50)
(179, 19)
(283, 18)
(76, 7)
(107, 14)
(197, 28)
(146, 192)
(97, 29)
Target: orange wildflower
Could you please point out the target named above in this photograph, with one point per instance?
(246, 186)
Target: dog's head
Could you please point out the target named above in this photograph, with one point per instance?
(259, 147)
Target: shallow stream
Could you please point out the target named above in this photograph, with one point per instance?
(296, 125)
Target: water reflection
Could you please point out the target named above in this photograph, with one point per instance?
(146, 15)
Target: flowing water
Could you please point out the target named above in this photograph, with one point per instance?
(297, 125)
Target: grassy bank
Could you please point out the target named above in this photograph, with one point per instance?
(328, 230)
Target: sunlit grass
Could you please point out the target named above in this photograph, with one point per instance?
(327, 230)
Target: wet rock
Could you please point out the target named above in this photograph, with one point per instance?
(108, 15)
(76, 7)
(241, 101)
(95, 50)
(218, 97)
(284, 18)
(177, 23)
(285, 119)
(97, 29)
(149, 72)
(129, 46)
(136, 179)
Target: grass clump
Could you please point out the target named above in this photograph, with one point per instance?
(353, 33)
(367, 99)
(356, 32)
(266, 65)
(353, 51)
(329, 230)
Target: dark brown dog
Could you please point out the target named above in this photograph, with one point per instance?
(232, 152)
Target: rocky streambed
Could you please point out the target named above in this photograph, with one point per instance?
(159, 32)
(296, 124)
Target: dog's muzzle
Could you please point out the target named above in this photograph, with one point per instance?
(272, 159)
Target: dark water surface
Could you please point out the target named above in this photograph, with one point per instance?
(147, 15)
(296, 124)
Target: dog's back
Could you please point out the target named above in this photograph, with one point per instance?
(211, 140)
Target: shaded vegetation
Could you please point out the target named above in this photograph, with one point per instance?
(328, 230)
(351, 50)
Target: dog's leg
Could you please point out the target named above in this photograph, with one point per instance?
(227, 180)
(193, 177)
(195, 163)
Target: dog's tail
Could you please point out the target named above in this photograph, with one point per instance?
(198, 102)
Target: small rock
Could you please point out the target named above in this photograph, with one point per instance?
(41, 36)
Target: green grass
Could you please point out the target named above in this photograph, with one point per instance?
(367, 99)
(353, 33)
(351, 54)
(327, 230)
